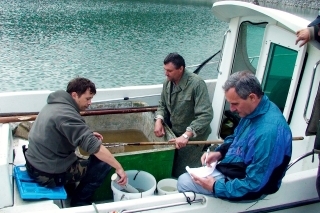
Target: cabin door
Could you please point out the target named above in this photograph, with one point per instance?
(279, 68)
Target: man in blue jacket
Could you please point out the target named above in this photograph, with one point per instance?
(253, 160)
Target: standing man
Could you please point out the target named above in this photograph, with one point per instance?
(54, 136)
(186, 108)
(254, 159)
(306, 35)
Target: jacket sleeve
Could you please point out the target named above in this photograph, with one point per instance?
(162, 107)
(202, 109)
(314, 33)
(265, 152)
(74, 128)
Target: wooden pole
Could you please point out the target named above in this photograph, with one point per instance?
(172, 143)
(18, 117)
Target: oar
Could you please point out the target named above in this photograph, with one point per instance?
(204, 63)
(172, 143)
(32, 117)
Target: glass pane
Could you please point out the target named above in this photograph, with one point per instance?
(246, 57)
(248, 47)
(279, 70)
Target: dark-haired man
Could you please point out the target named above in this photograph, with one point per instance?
(56, 133)
(185, 106)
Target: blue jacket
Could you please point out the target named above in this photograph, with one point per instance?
(255, 157)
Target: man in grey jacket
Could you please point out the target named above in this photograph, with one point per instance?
(56, 133)
(186, 108)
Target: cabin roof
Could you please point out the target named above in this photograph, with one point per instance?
(226, 10)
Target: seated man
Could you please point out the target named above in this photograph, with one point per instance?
(58, 130)
(253, 160)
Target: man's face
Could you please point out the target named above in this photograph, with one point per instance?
(241, 106)
(84, 100)
(172, 73)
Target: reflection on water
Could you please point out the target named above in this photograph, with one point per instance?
(115, 43)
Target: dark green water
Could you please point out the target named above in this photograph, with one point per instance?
(45, 43)
(115, 43)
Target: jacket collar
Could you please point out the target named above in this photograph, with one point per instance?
(182, 83)
(262, 108)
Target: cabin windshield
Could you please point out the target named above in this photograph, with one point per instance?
(247, 56)
(248, 46)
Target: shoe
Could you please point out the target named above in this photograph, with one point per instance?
(70, 188)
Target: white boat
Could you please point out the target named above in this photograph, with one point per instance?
(259, 39)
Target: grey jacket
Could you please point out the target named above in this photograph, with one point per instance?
(57, 131)
(188, 105)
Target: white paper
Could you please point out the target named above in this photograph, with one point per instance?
(202, 171)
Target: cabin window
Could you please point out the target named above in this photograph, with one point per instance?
(248, 46)
(278, 74)
(247, 55)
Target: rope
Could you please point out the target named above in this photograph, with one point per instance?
(188, 198)
(95, 207)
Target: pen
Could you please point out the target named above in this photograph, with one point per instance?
(205, 160)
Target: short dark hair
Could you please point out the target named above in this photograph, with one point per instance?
(80, 86)
(176, 59)
(244, 83)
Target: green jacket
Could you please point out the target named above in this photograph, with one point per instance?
(187, 106)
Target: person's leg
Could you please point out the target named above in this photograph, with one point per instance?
(318, 178)
(186, 184)
(94, 177)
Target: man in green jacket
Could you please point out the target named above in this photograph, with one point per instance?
(56, 133)
(186, 108)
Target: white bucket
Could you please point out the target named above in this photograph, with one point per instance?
(141, 180)
(167, 186)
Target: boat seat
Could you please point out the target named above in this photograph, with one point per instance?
(30, 190)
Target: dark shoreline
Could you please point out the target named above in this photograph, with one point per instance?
(299, 4)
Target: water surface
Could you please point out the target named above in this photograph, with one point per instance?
(115, 43)
(44, 44)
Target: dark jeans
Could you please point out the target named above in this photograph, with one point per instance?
(318, 178)
(94, 177)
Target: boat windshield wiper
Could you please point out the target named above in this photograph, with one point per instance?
(196, 71)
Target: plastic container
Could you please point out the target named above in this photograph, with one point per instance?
(141, 180)
(167, 186)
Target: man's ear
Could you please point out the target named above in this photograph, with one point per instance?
(181, 69)
(253, 97)
(74, 95)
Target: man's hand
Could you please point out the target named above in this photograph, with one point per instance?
(212, 157)
(304, 36)
(206, 182)
(123, 177)
(180, 142)
(99, 136)
(158, 128)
